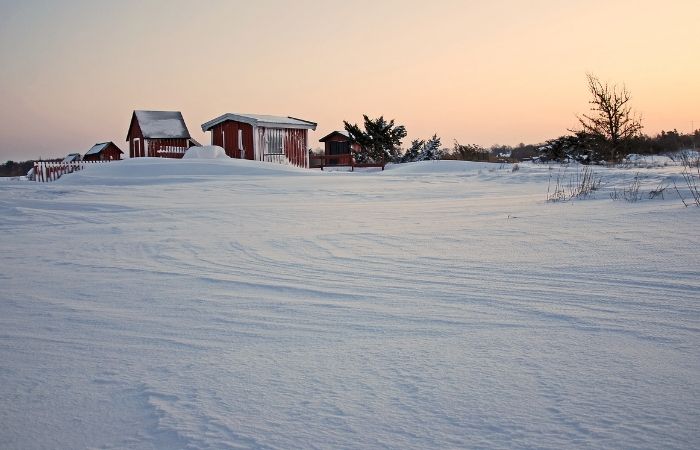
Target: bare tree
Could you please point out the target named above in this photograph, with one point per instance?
(611, 116)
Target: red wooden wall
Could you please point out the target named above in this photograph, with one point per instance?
(154, 145)
(135, 132)
(225, 135)
(295, 146)
(339, 138)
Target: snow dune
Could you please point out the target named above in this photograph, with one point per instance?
(216, 304)
(152, 171)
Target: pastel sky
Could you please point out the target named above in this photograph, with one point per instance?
(484, 72)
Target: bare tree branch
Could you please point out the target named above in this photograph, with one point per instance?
(611, 116)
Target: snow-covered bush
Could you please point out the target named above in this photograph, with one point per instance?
(205, 152)
(580, 147)
(421, 150)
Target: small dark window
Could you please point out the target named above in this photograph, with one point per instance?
(339, 148)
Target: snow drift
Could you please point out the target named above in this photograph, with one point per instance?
(152, 171)
(205, 152)
(433, 305)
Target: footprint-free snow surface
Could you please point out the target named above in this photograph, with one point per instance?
(228, 304)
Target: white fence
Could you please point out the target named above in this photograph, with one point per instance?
(45, 171)
(278, 158)
(169, 151)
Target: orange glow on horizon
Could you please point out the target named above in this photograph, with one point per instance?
(505, 73)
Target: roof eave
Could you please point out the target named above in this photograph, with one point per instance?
(182, 136)
(286, 125)
(333, 133)
(312, 125)
(207, 126)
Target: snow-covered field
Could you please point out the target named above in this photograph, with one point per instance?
(229, 304)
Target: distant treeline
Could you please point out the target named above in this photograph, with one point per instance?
(572, 147)
(601, 138)
(577, 147)
(17, 169)
(608, 132)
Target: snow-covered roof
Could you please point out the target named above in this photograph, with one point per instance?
(261, 120)
(97, 148)
(72, 157)
(162, 124)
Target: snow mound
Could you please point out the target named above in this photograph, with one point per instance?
(438, 167)
(206, 152)
(254, 305)
(648, 161)
(155, 171)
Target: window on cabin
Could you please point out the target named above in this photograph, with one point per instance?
(240, 139)
(274, 140)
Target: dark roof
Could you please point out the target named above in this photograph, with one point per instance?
(162, 124)
(261, 120)
(333, 133)
(97, 148)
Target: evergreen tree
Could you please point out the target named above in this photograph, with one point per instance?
(380, 140)
(413, 151)
(431, 149)
(583, 147)
(421, 150)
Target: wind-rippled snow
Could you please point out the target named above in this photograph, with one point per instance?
(226, 304)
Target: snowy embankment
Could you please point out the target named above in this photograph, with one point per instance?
(152, 171)
(232, 304)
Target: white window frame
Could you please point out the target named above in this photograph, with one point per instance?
(240, 143)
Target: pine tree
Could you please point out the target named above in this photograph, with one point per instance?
(431, 149)
(380, 141)
(413, 151)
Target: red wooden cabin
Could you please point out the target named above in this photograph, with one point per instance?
(105, 151)
(158, 134)
(338, 147)
(262, 137)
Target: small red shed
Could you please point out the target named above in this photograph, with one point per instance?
(338, 143)
(105, 151)
(262, 137)
(158, 134)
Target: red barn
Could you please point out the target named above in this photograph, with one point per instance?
(158, 134)
(262, 137)
(105, 151)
